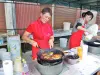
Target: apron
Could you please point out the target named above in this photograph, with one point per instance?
(43, 45)
(76, 38)
(43, 41)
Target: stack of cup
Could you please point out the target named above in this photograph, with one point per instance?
(2, 50)
(6, 56)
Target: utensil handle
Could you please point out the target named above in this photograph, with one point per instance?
(39, 47)
(41, 50)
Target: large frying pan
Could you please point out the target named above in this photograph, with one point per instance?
(47, 61)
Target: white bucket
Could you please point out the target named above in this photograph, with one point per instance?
(66, 26)
(63, 42)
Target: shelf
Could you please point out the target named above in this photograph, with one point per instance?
(4, 44)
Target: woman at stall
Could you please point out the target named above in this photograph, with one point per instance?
(42, 33)
(79, 29)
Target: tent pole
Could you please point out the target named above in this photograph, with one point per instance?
(53, 7)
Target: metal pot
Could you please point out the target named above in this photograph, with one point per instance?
(94, 50)
(94, 46)
(50, 70)
(49, 62)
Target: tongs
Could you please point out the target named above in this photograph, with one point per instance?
(41, 50)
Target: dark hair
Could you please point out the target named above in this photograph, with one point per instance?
(46, 10)
(87, 13)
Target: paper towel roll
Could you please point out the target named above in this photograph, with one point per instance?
(8, 67)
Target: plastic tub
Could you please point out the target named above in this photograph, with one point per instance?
(63, 42)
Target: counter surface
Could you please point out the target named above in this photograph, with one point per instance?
(85, 67)
(61, 32)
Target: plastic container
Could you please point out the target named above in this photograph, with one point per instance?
(1, 41)
(14, 46)
(3, 49)
(63, 42)
(1, 52)
(6, 56)
(85, 51)
(66, 26)
(18, 73)
(1, 71)
(80, 52)
(18, 65)
(25, 67)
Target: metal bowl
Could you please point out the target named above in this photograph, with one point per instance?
(72, 59)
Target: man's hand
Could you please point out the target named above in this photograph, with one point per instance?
(51, 44)
(26, 38)
(34, 43)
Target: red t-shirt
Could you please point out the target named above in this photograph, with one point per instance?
(41, 33)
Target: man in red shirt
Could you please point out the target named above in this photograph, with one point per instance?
(41, 31)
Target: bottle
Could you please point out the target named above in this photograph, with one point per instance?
(25, 68)
(18, 64)
(18, 68)
(84, 50)
(80, 52)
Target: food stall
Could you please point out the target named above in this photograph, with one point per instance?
(64, 12)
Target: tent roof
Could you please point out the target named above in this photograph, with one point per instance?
(89, 4)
